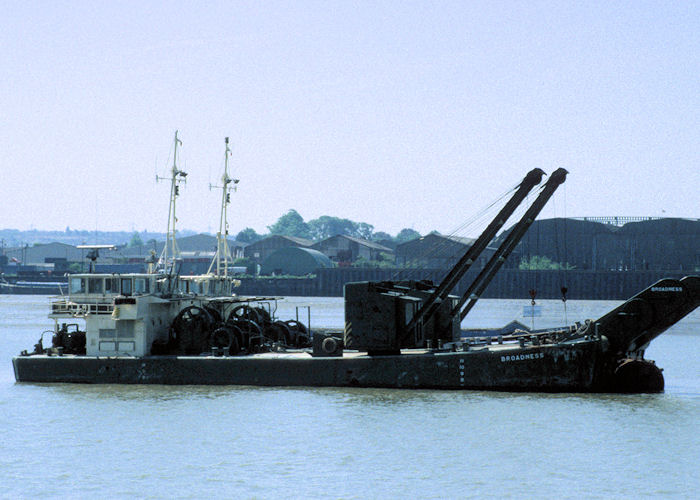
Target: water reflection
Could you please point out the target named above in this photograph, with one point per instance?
(121, 392)
(365, 397)
(350, 395)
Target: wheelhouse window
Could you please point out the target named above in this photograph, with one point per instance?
(77, 285)
(126, 286)
(112, 285)
(95, 285)
(141, 285)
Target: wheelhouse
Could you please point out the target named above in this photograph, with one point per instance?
(98, 285)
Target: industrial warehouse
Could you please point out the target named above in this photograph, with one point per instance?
(594, 258)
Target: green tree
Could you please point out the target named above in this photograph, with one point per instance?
(541, 263)
(364, 230)
(135, 240)
(248, 263)
(327, 226)
(291, 224)
(248, 235)
(381, 235)
(407, 234)
(75, 267)
(385, 260)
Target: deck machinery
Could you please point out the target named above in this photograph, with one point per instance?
(384, 317)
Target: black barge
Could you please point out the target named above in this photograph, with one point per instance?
(398, 334)
(605, 355)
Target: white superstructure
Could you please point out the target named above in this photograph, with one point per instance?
(125, 314)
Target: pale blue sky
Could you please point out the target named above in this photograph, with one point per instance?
(394, 113)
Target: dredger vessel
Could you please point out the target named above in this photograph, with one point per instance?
(162, 328)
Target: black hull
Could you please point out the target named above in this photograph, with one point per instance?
(572, 367)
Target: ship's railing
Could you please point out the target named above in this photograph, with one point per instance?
(74, 309)
(616, 220)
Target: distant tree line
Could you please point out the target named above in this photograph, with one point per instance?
(326, 226)
(289, 224)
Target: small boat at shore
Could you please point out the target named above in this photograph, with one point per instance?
(33, 287)
(162, 328)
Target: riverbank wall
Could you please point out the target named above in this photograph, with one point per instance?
(508, 283)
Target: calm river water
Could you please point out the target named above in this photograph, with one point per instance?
(242, 442)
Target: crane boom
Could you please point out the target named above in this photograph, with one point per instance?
(431, 304)
(478, 286)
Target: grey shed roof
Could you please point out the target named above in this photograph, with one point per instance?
(359, 241)
(296, 261)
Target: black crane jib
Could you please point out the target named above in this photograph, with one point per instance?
(477, 287)
(533, 178)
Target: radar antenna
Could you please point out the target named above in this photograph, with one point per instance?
(94, 253)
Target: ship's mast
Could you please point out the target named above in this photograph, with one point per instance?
(222, 235)
(171, 252)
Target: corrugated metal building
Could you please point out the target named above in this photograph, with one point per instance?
(262, 249)
(436, 251)
(655, 244)
(346, 249)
